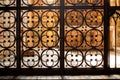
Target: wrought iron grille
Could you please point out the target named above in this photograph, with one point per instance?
(54, 37)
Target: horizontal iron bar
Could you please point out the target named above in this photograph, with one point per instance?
(52, 7)
(36, 71)
(115, 7)
(8, 8)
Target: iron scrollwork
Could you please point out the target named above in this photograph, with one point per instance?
(7, 2)
(30, 19)
(40, 35)
(40, 38)
(30, 58)
(39, 2)
(30, 2)
(50, 57)
(93, 18)
(74, 38)
(50, 3)
(94, 38)
(50, 38)
(7, 38)
(7, 19)
(74, 18)
(49, 19)
(94, 57)
(74, 58)
(7, 58)
(84, 2)
(84, 27)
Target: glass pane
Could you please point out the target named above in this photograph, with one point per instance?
(84, 2)
(84, 32)
(40, 2)
(115, 40)
(8, 39)
(114, 2)
(40, 31)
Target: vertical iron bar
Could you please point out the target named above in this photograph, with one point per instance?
(115, 44)
(61, 36)
(18, 46)
(106, 34)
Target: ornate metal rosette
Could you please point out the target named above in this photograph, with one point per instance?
(74, 2)
(50, 19)
(7, 2)
(30, 58)
(7, 19)
(30, 19)
(94, 2)
(30, 2)
(74, 18)
(84, 2)
(50, 38)
(74, 38)
(30, 38)
(7, 38)
(7, 58)
(94, 18)
(94, 58)
(74, 58)
(94, 38)
(50, 58)
(50, 2)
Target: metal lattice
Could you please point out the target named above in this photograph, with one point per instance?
(54, 36)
